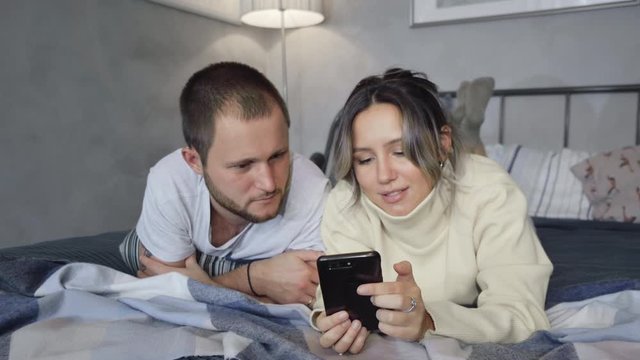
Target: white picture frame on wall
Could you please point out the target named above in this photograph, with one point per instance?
(437, 12)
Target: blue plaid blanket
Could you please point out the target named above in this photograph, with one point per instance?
(88, 311)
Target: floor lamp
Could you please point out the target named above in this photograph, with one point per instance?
(282, 14)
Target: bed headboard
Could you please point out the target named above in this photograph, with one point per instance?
(590, 118)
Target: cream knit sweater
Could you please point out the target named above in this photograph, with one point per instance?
(473, 249)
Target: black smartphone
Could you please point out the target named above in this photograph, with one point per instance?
(340, 276)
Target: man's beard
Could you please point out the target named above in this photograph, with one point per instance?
(235, 208)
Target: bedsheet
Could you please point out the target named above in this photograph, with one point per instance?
(604, 254)
(89, 311)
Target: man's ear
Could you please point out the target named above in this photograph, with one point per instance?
(192, 158)
(445, 139)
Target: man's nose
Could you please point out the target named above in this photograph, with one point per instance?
(265, 179)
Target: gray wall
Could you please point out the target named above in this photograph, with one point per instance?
(88, 88)
(88, 92)
(363, 37)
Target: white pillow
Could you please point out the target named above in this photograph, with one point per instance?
(545, 177)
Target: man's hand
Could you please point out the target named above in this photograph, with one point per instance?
(192, 269)
(291, 277)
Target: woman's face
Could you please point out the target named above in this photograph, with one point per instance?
(385, 175)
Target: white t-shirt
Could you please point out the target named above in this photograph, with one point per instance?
(175, 217)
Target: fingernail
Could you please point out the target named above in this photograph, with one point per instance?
(343, 315)
(360, 289)
(355, 324)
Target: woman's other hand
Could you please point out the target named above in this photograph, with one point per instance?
(402, 313)
(340, 333)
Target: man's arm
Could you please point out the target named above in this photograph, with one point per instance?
(150, 266)
(286, 278)
(290, 277)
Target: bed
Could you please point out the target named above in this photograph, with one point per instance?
(73, 298)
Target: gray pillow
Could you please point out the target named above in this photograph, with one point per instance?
(99, 249)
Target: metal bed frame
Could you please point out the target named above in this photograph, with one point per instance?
(321, 159)
(567, 92)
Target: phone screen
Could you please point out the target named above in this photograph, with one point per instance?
(340, 276)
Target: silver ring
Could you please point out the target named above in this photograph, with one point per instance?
(412, 306)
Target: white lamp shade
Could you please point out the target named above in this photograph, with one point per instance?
(297, 13)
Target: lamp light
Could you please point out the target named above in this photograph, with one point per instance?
(282, 14)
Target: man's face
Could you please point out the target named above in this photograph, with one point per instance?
(247, 168)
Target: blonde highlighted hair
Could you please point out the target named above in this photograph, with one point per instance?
(423, 121)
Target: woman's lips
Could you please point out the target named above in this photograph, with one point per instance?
(392, 197)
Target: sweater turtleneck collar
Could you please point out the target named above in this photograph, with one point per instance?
(428, 219)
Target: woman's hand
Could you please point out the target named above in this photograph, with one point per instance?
(340, 333)
(402, 313)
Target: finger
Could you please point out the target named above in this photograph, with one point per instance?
(307, 255)
(397, 318)
(358, 343)
(404, 271)
(392, 301)
(310, 291)
(324, 322)
(346, 341)
(334, 334)
(382, 288)
(308, 297)
(313, 264)
(141, 274)
(313, 277)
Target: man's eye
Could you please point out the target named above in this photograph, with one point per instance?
(278, 156)
(242, 166)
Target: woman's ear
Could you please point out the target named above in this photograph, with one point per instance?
(445, 139)
(192, 158)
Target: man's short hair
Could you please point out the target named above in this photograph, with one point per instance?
(224, 88)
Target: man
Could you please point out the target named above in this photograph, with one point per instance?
(235, 193)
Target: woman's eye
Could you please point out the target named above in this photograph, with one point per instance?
(398, 153)
(363, 161)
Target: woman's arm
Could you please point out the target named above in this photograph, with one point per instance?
(513, 273)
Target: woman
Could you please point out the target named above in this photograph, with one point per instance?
(460, 257)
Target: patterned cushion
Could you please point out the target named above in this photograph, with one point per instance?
(611, 182)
